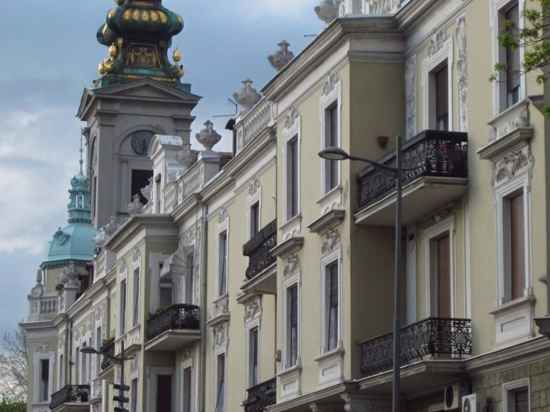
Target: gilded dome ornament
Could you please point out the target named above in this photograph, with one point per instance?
(177, 56)
(113, 51)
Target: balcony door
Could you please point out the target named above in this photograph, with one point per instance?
(440, 251)
(164, 393)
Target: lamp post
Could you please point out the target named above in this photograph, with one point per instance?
(338, 154)
(120, 361)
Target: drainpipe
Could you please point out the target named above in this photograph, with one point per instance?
(203, 303)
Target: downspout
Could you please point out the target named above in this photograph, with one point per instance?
(203, 303)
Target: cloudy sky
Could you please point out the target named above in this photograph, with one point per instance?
(51, 54)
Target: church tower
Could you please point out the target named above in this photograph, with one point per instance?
(139, 94)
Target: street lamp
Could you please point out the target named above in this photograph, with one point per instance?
(338, 154)
(121, 399)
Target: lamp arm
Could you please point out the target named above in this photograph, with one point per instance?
(377, 165)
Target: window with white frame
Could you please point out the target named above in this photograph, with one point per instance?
(292, 333)
(134, 395)
(189, 277)
(331, 139)
(165, 293)
(98, 345)
(77, 365)
(187, 389)
(292, 177)
(135, 319)
(439, 97)
(222, 263)
(514, 226)
(254, 219)
(44, 380)
(122, 321)
(516, 396)
(61, 382)
(220, 382)
(84, 369)
(253, 344)
(332, 305)
(510, 57)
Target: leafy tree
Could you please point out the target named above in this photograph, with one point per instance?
(12, 406)
(14, 367)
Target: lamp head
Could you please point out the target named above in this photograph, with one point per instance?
(334, 153)
(89, 350)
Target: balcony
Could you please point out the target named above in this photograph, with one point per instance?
(432, 350)
(43, 308)
(108, 349)
(261, 396)
(261, 260)
(437, 175)
(173, 327)
(71, 398)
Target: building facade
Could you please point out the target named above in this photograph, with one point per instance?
(261, 279)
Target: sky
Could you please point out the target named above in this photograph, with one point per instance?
(50, 54)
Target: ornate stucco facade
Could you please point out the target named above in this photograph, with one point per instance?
(262, 279)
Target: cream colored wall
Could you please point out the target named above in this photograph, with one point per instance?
(236, 202)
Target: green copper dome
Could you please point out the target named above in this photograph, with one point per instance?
(138, 34)
(76, 241)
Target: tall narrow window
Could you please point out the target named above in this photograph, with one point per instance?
(166, 294)
(515, 245)
(122, 307)
(331, 140)
(76, 365)
(187, 389)
(98, 345)
(83, 369)
(61, 372)
(134, 395)
(157, 194)
(253, 357)
(189, 275)
(44, 388)
(140, 179)
(332, 305)
(518, 400)
(220, 396)
(441, 275)
(292, 177)
(164, 393)
(513, 57)
(254, 219)
(292, 326)
(222, 266)
(441, 81)
(135, 319)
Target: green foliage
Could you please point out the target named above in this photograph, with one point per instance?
(12, 406)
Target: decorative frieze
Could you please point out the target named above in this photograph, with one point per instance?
(331, 241)
(438, 42)
(513, 163)
(410, 95)
(291, 265)
(253, 309)
(462, 72)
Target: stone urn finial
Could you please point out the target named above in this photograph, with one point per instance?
(208, 137)
(247, 96)
(282, 57)
(327, 10)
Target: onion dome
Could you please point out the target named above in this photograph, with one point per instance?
(138, 34)
(75, 241)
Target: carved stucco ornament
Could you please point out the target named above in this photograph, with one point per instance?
(247, 96)
(511, 164)
(252, 309)
(331, 241)
(253, 187)
(290, 118)
(437, 42)
(292, 265)
(282, 57)
(330, 84)
(327, 10)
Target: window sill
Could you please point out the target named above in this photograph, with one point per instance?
(529, 299)
(510, 119)
(338, 352)
(296, 219)
(330, 193)
(291, 370)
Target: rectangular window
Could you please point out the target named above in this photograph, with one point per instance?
(331, 140)
(292, 177)
(254, 219)
(441, 275)
(220, 378)
(514, 226)
(253, 357)
(187, 389)
(44, 388)
(61, 372)
(140, 179)
(189, 278)
(332, 305)
(164, 393)
(98, 345)
(441, 81)
(512, 63)
(136, 297)
(76, 366)
(134, 395)
(122, 307)
(166, 293)
(222, 265)
(518, 400)
(157, 194)
(292, 325)
(84, 369)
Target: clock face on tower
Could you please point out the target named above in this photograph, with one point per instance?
(140, 142)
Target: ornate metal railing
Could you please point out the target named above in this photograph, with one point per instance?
(175, 317)
(108, 349)
(258, 249)
(70, 394)
(433, 336)
(432, 153)
(261, 396)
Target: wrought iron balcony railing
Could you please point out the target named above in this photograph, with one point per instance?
(70, 394)
(108, 351)
(432, 153)
(261, 396)
(433, 336)
(175, 317)
(258, 249)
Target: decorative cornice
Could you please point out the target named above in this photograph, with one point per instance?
(288, 246)
(328, 221)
